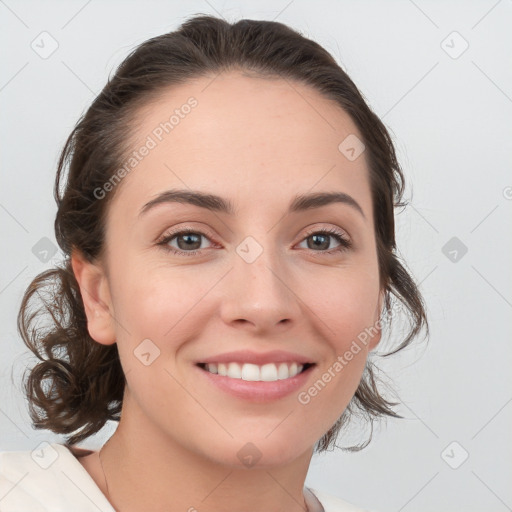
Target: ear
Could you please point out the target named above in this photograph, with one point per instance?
(95, 292)
(376, 328)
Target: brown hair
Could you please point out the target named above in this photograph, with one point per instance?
(78, 384)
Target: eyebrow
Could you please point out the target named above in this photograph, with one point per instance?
(216, 203)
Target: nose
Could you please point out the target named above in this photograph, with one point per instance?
(258, 295)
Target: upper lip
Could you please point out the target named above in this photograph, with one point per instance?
(245, 356)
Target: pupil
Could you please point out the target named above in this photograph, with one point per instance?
(189, 237)
(316, 240)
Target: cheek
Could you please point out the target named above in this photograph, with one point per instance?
(345, 302)
(157, 313)
(155, 316)
(157, 302)
(344, 307)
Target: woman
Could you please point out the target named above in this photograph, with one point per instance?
(228, 222)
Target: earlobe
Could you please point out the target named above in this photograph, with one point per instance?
(95, 294)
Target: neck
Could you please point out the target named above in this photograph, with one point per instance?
(152, 471)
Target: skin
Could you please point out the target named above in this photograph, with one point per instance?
(257, 142)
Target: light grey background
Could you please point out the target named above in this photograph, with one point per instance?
(451, 116)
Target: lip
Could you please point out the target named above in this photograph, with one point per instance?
(246, 356)
(257, 391)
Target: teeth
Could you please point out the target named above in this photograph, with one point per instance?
(268, 372)
(251, 372)
(234, 371)
(247, 372)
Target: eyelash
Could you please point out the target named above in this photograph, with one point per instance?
(345, 243)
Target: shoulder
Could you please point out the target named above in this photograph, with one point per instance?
(47, 478)
(332, 503)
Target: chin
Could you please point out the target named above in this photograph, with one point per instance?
(260, 453)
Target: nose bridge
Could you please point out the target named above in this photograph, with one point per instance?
(260, 264)
(259, 291)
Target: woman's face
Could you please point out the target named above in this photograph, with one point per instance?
(258, 279)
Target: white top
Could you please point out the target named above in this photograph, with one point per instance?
(50, 478)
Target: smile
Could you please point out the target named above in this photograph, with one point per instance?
(256, 377)
(269, 372)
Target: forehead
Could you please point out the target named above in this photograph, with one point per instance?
(243, 138)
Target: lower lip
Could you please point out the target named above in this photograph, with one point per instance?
(258, 391)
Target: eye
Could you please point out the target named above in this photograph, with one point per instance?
(189, 241)
(320, 240)
(186, 239)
